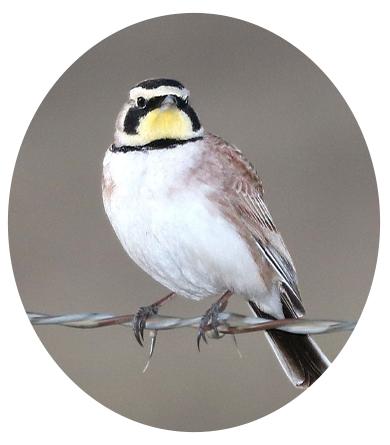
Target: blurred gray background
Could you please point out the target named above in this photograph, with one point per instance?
(260, 93)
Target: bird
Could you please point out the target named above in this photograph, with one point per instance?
(188, 208)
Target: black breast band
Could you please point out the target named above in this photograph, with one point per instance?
(158, 144)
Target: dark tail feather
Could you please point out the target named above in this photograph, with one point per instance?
(301, 359)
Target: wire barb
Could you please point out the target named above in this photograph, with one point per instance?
(153, 335)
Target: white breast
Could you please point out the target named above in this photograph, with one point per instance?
(169, 227)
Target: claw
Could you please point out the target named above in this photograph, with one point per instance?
(201, 334)
(139, 321)
(211, 316)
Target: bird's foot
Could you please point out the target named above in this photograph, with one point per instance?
(139, 321)
(140, 318)
(211, 316)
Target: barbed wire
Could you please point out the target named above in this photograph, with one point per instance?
(230, 323)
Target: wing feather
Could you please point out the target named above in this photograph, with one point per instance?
(244, 196)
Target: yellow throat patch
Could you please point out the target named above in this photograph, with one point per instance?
(170, 123)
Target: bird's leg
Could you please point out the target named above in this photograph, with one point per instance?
(211, 316)
(139, 320)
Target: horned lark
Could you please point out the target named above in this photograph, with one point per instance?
(188, 208)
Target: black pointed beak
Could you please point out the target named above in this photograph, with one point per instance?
(169, 100)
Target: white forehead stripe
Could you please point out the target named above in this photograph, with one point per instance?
(162, 90)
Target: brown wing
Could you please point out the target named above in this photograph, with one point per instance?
(242, 195)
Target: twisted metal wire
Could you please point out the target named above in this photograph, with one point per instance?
(230, 323)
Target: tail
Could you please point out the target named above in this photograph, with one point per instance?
(301, 359)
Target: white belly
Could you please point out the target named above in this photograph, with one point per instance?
(173, 231)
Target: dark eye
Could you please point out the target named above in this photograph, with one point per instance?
(141, 102)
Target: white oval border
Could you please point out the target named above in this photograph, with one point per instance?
(19, 147)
